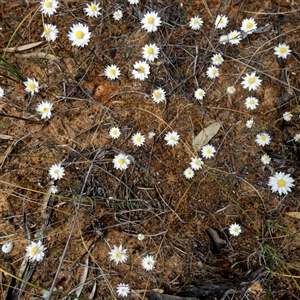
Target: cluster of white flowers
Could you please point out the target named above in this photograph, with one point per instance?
(118, 255)
(79, 35)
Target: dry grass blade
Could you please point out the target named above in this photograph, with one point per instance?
(6, 137)
(39, 55)
(293, 214)
(22, 48)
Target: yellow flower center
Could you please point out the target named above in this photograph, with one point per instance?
(114, 132)
(214, 71)
(141, 69)
(221, 21)
(172, 138)
(93, 8)
(235, 229)
(31, 86)
(263, 138)
(252, 102)
(117, 14)
(208, 151)
(197, 163)
(249, 25)
(150, 20)
(121, 161)
(118, 255)
(48, 4)
(200, 94)
(45, 109)
(281, 183)
(150, 50)
(138, 139)
(157, 94)
(217, 58)
(79, 34)
(234, 36)
(47, 30)
(112, 71)
(251, 80)
(196, 21)
(34, 251)
(282, 49)
(55, 172)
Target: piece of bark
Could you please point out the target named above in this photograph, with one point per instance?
(158, 296)
(216, 243)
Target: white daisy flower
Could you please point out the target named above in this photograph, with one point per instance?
(287, 116)
(151, 21)
(50, 32)
(249, 25)
(217, 59)
(31, 86)
(133, 1)
(231, 89)
(151, 135)
(123, 289)
(150, 52)
(223, 39)
(212, 72)
(189, 173)
(7, 247)
(196, 23)
(263, 139)
(251, 102)
(199, 94)
(265, 159)
(148, 262)
(56, 171)
(92, 10)
(141, 70)
(234, 37)
(221, 21)
(112, 72)
(172, 138)
(208, 151)
(46, 294)
(297, 137)
(281, 183)
(159, 95)
(235, 229)
(121, 161)
(282, 50)
(138, 139)
(44, 109)
(48, 7)
(118, 14)
(140, 237)
(249, 123)
(35, 251)
(196, 163)
(118, 254)
(114, 132)
(251, 81)
(79, 35)
(1, 92)
(53, 189)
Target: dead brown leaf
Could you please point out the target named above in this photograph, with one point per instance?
(293, 214)
(206, 135)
